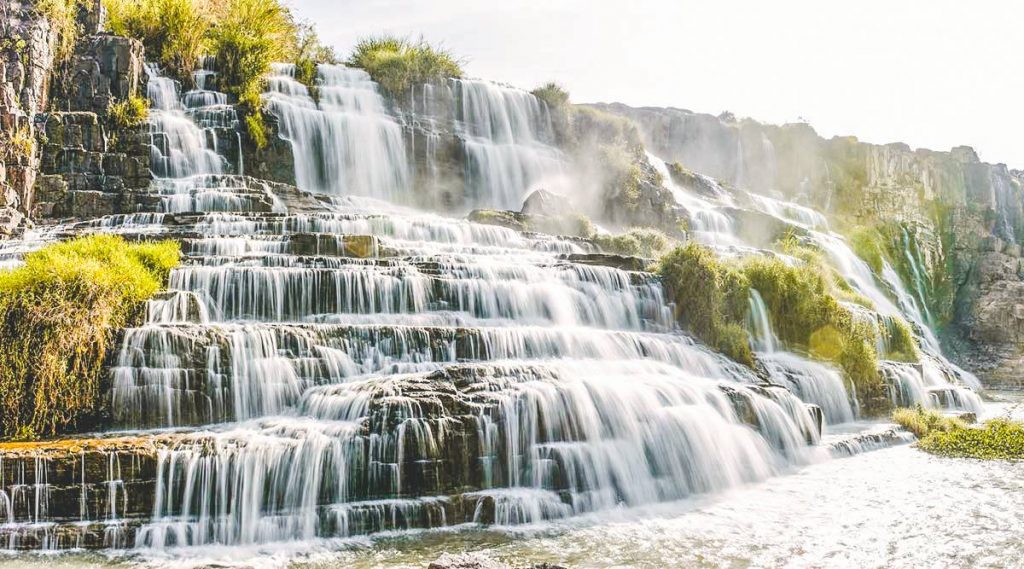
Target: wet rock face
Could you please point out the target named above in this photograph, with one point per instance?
(103, 69)
(969, 215)
(26, 61)
(86, 173)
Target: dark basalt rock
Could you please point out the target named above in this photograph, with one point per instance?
(622, 262)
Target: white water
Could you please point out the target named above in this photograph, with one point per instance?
(451, 373)
(509, 144)
(345, 143)
(938, 374)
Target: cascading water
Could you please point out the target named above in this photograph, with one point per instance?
(509, 143)
(344, 143)
(940, 375)
(348, 142)
(336, 371)
(331, 370)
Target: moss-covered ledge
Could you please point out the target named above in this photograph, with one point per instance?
(58, 314)
(812, 311)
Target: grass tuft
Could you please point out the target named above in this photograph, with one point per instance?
(553, 94)
(128, 113)
(638, 242)
(397, 63)
(58, 313)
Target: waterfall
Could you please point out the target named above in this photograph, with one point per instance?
(760, 326)
(334, 370)
(340, 367)
(509, 144)
(344, 143)
(711, 225)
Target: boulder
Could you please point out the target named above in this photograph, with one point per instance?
(543, 202)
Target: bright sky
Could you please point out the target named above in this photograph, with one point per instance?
(931, 73)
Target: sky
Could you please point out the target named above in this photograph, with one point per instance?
(930, 73)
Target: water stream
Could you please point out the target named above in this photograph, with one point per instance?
(349, 367)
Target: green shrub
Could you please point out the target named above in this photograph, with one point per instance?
(250, 36)
(638, 242)
(398, 63)
(998, 439)
(174, 32)
(803, 301)
(804, 304)
(63, 18)
(710, 299)
(923, 422)
(128, 113)
(553, 94)
(58, 312)
(308, 54)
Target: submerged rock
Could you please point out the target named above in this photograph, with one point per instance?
(467, 561)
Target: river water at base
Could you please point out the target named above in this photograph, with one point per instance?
(897, 507)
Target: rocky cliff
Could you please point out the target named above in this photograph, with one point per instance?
(947, 220)
(64, 156)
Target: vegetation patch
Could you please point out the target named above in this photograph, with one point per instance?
(809, 306)
(128, 113)
(63, 18)
(58, 313)
(397, 63)
(710, 297)
(997, 439)
(923, 422)
(174, 32)
(638, 242)
(553, 94)
(244, 36)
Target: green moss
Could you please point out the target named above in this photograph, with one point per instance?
(638, 242)
(868, 244)
(575, 224)
(256, 127)
(20, 145)
(710, 299)
(998, 439)
(398, 63)
(128, 113)
(553, 94)
(923, 422)
(57, 315)
(63, 18)
(805, 306)
(899, 341)
(804, 301)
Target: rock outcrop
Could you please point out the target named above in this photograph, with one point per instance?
(27, 45)
(962, 218)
